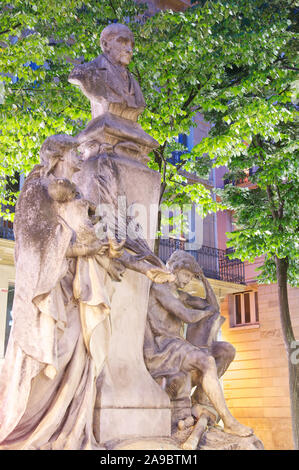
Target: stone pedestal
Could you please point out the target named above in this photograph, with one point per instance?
(129, 402)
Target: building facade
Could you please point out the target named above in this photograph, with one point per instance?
(256, 385)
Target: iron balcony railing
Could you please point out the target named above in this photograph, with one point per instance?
(214, 262)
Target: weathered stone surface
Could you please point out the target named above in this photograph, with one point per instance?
(144, 444)
(214, 438)
(65, 327)
(84, 262)
(107, 83)
(125, 137)
(47, 385)
(130, 402)
(115, 97)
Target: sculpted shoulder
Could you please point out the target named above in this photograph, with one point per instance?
(158, 290)
(90, 76)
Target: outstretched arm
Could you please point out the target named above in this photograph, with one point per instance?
(175, 306)
(194, 301)
(79, 249)
(154, 273)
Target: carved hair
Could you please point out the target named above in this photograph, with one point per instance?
(114, 29)
(53, 149)
(182, 260)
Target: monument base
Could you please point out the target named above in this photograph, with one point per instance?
(215, 438)
(129, 402)
(157, 443)
(128, 423)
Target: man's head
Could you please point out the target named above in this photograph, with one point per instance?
(184, 266)
(117, 42)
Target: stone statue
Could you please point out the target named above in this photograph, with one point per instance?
(106, 81)
(64, 304)
(61, 326)
(115, 96)
(203, 334)
(47, 382)
(74, 375)
(169, 356)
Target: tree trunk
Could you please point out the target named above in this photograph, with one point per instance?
(157, 240)
(289, 341)
(162, 191)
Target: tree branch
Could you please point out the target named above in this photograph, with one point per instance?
(11, 28)
(291, 68)
(281, 203)
(191, 96)
(113, 8)
(271, 201)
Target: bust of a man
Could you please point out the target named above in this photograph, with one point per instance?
(106, 81)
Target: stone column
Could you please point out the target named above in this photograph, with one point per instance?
(130, 403)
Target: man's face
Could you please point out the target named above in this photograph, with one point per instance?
(183, 277)
(120, 49)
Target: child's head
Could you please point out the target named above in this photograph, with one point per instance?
(184, 266)
(89, 148)
(53, 150)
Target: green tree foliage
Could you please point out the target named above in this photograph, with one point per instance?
(231, 60)
(40, 102)
(180, 60)
(254, 111)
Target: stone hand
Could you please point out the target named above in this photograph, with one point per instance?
(115, 248)
(184, 296)
(116, 270)
(209, 312)
(200, 273)
(160, 275)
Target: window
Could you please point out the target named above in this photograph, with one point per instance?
(243, 309)
(187, 141)
(12, 184)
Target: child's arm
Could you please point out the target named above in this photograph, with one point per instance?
(175, 306)
(192, 301)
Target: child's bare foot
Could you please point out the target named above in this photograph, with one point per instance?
(234, 427)
(186, 423)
